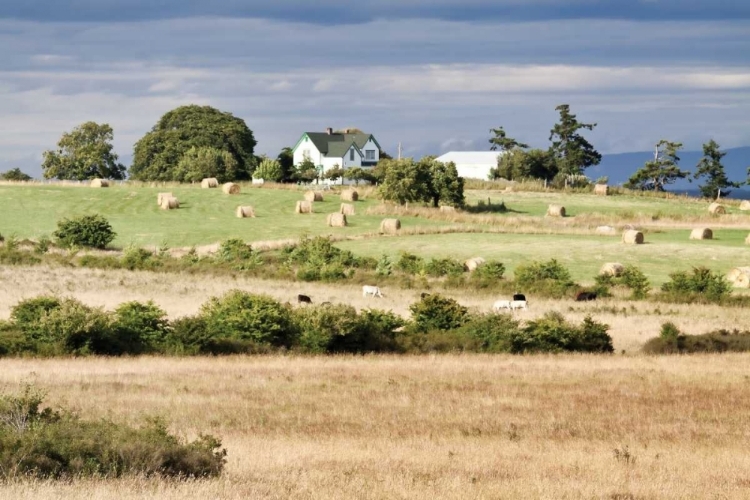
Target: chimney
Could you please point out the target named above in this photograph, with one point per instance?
(329, 131)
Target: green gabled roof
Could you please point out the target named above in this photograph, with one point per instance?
(338, 149)
(333, 144)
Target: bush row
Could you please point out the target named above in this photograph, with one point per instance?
(240, 322)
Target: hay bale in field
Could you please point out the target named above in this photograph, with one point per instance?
(169, 203)
(346, 209)
(99, 183)
(745, 205)
(701, 233)
(601, 189)
(612, 269)
(556, 211)
(473, 263)
(390, 226)
(336, 220)
(739, 277)
(245, 212)
(209, 183)
(313, 196)
(230, 188)
(608, 230)
(632, 237)
(161, 196)
(447, 209)
(303, 207)
(349, 195)
(717, 209)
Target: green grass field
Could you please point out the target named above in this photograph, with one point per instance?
(205, 215)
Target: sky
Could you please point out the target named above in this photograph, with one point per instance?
(434, 76)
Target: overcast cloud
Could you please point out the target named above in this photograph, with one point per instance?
(432, 78)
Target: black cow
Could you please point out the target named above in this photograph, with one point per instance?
(519, 296)
(303, 299)
(585, 296)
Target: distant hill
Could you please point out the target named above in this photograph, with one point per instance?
(619, 167)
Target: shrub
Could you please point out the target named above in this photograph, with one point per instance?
(237, 252)
(492, 332)
(713, 342)
(28, 313)
(320, 325)
(319, 251)
(244, 316)
(631, 277)
(443, 267)
(75, 328)
(409, 263)
(669, 331)
(44, 443)
(435, 312)
(87, 231)
(488, 274)
(545, 278)
(552, 333)
(42, 246)
(384, 266)
(139, 258)
(700, 284)
(140, 327)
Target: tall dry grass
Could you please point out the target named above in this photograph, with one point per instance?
(456, 427)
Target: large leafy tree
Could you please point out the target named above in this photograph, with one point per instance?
(199, 163)
(710, 168)
(501, 141)
(15, 174)
(661, 171)
(572, 151)
(269, 170)
(156, 155)
(427, 180)
(520, 164)
(286, 162)
(84, 153)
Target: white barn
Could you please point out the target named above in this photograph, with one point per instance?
(472, 164)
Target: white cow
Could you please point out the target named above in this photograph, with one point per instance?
(500, 305)
(372, 291)
(519, 304)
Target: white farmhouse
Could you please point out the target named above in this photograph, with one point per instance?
(329, 149)
(472, 164)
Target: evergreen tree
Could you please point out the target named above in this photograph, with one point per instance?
(662, 170)
(710, 168)
(572, 151)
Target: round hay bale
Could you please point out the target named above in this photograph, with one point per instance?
(742, 281)
(230, 188)
(303, 207)
(608, 230)
(170, 203)
(601, 189)
(735, 273)
(99, 183)
(313, 196)
(632, 237)
(346, 209)
(349, 195)
(556, 211)
(701, 233)
(612, 269)
(717, 209)
(447, 209)
(745, 205)
(209, 183)
(390, 226)
(336, 220)
(245, 212)
(161, 196)
(473, 263)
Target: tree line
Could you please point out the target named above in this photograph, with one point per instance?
(570, 154)
(193, 142)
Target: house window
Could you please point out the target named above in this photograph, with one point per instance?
(369, 154)
(306, 154)
(351, 155)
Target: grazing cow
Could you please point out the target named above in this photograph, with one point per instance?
(303, 299)
(500, 305)
(519, 296)
(424, 295)
(372, 291)
(518, 304)
(585, 296)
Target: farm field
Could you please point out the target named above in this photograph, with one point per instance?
(470, 426)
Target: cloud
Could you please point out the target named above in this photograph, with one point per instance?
(332, 12)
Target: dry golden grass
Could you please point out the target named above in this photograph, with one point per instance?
(631, 323)
(423, 427)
